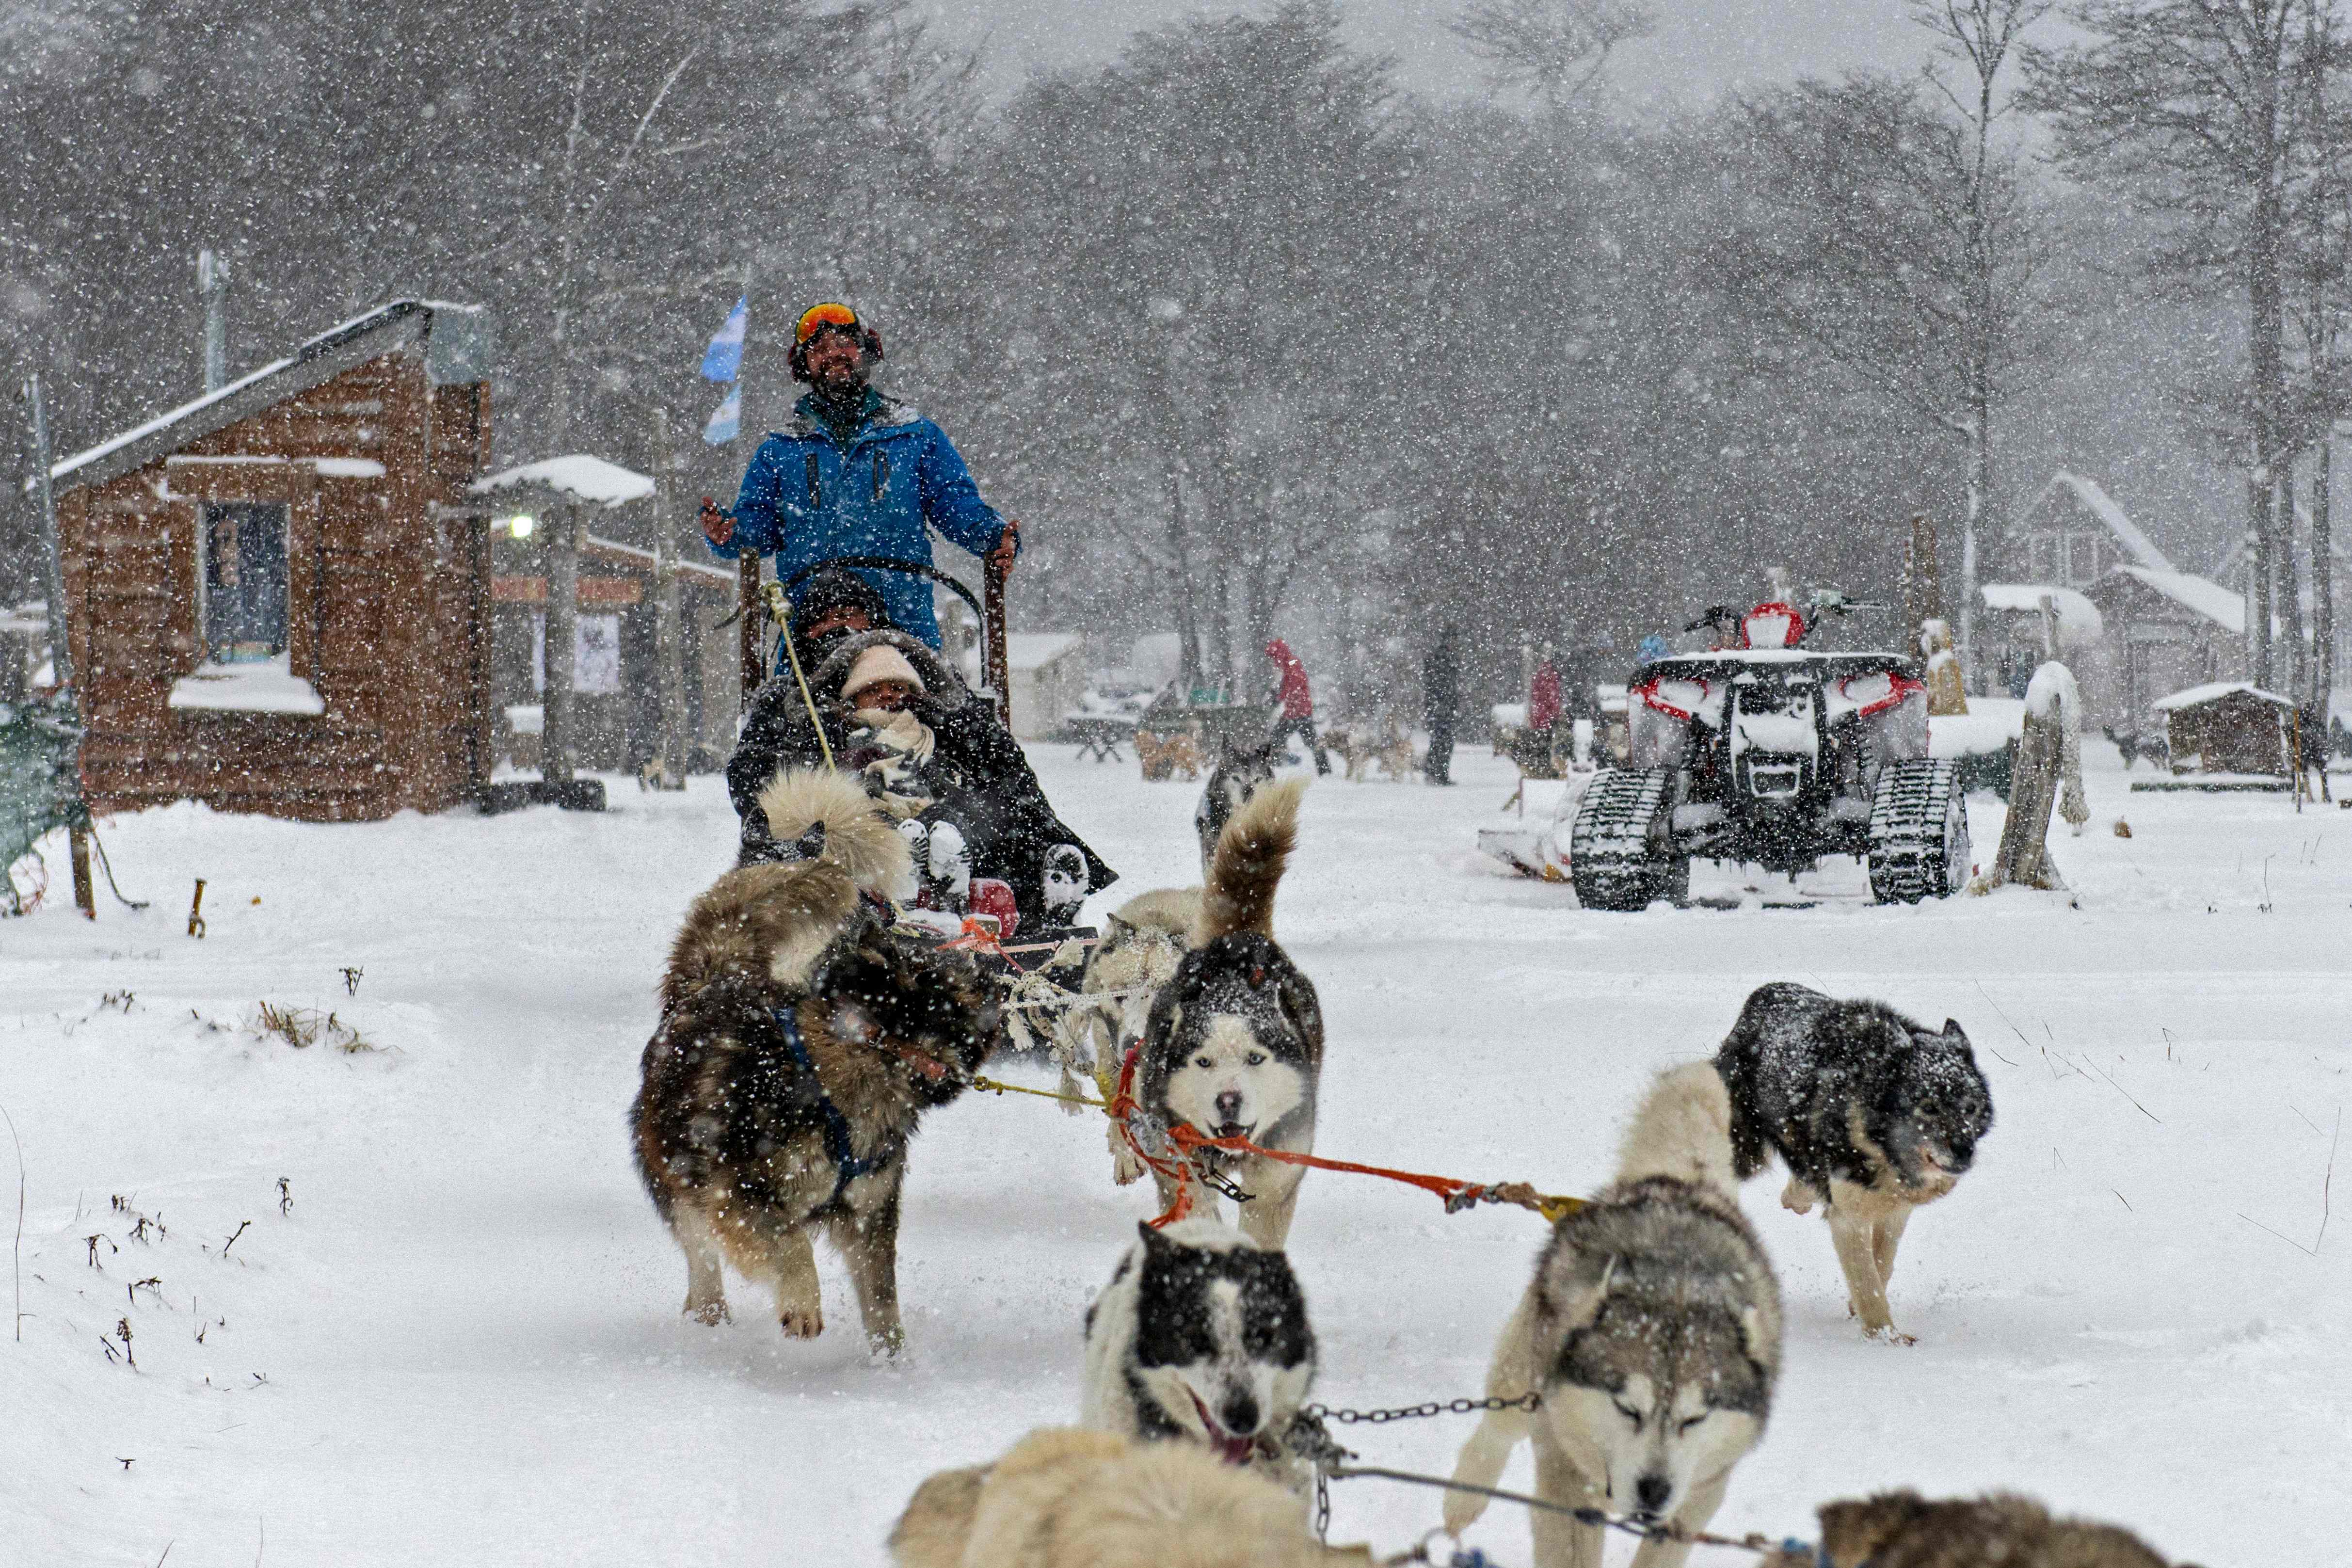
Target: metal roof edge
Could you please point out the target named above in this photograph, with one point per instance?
(319, 359)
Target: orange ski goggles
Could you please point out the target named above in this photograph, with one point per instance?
(817, 318)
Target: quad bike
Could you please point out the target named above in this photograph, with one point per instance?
(1769, 752)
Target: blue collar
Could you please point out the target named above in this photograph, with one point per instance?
(847, 1164)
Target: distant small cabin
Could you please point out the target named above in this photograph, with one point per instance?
(2228, 727)
(1048, 676)
(275, 601)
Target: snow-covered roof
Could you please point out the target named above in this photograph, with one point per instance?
(579, 477)
(1035, 651)
(318, 360)
(2197, 694)
(2202, 594)
(2079, 620)
(2101, 505)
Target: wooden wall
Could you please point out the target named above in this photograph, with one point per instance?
(387, 607)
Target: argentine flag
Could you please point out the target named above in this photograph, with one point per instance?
(729, 421)
(723, 359)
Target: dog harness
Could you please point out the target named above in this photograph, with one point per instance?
(847, 1164)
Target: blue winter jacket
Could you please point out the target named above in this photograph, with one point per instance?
(805, 499)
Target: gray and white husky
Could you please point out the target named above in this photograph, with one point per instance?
(1234, 1045)
(1239, 774)
(1873, 1114)
(1202, 1336)
(1652, 1333)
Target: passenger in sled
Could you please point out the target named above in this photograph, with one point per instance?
(893, 713)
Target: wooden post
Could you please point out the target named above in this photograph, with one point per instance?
(2041, 772)
(670, 640)
(999, 672)
(555, 739)
(754, 669)
(78, 849)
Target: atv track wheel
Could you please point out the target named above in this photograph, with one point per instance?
(1621, 850)
(1919, 833)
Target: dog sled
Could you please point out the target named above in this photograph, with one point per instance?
(1039, 966)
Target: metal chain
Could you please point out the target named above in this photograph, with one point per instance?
(1313, 1442)
(1529, 1402)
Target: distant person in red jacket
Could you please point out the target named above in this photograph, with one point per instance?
(1297, 703)
(1543, 697)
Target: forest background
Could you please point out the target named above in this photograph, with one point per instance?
(1255, 340)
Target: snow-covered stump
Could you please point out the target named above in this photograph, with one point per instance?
(2048, 776)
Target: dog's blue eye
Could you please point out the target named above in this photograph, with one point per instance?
(1255, 1057)
(1202, 1062)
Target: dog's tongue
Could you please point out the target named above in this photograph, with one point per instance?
(1233, 1451)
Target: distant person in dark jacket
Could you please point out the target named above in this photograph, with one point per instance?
(1297, 703)
(856, 473)
(1441, 699)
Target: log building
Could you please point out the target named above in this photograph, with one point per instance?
(276, 598)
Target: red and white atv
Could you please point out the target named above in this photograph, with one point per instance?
(1768, 753)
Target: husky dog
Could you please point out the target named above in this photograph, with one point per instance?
(1201, 1335)
(1234, 1045)
(1239, 774)
(1361, 746)
(1904, 1529)
(799, 1043)
(1141, 945)
(1069, 1499)
(1870, 1112)
(1652, 1332)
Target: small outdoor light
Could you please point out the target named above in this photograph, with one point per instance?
(521, 526)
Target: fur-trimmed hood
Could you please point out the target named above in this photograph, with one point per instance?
(855, 837)
(943, 688)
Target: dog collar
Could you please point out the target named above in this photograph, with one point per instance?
(839, 1147)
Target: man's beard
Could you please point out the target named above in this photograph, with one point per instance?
(845, 387)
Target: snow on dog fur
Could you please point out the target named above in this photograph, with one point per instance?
(1234, 1045)
(1062, 1498)
(1869, 1110)
(799, 1043)
(1200, 1336)
(1652, 1331)
(771, 921)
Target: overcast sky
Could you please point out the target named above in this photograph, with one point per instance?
(1700, 47)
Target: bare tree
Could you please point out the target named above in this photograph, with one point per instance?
(1555, 48)
(2190, 109)
(1978, 36)
(1890, 234)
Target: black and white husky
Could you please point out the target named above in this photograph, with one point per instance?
(1234, 1045)
(1873, 1114)
(1200, 1336)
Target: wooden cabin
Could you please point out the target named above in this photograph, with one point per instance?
(638, 610)
(2228, 727)
(275, 599)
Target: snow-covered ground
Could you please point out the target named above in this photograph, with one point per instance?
(461, 1342)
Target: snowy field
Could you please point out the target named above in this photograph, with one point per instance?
(461, 1342)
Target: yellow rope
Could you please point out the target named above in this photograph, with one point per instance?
(994, 1087)
(781, 609)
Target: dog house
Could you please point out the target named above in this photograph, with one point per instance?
(2228, 727)
(274, 600)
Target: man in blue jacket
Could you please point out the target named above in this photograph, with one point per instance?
(856, 473)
